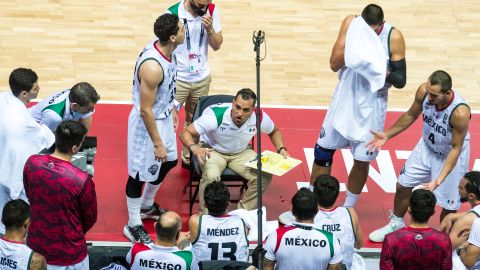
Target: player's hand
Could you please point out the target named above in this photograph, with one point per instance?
(207, 22)
(175, 119)
(432, 185)
(379, 140)
(160, 153)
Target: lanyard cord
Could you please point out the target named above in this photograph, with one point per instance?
(187, 34)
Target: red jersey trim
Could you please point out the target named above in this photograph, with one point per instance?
(11, 241)
(280, 233)
(158, 50)
(137, 248)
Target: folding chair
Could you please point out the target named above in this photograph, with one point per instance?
(228, 176)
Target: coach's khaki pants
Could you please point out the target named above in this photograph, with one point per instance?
(215, 166)
(190, 93)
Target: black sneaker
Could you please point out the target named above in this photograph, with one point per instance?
(137, 234)
(153, 212)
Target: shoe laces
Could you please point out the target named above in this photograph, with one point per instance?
(142, 234)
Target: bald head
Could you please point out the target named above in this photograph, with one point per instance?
(168, 226)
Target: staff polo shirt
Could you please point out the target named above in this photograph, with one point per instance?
(217, 129)
(55, 109)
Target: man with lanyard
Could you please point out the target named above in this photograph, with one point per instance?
(202, 29)
(76, 103)
(301, 245)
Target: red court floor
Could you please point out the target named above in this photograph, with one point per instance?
(300, 129)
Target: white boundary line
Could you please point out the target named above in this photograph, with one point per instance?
(301, 107)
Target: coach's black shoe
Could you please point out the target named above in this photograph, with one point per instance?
(153, 212)
(137, 234)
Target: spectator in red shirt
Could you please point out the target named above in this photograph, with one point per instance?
(417, 246)
(62, 200)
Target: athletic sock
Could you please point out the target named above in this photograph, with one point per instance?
(148, 196)
(133, 205)
(397, 221)
(351, 199)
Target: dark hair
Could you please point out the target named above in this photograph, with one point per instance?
(167, 232)
(68, 134)
(441, 78)
(22, 79)
(247, 94)
(304, 205)
(326, 189)
(83, 94)
(216, 197)
(422, 205)
(14, 214)
(373, 14)
(165, 26)
(473, 183)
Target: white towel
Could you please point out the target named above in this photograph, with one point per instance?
(364, 53)
(20, 137)
(355, 103)
(250, 218)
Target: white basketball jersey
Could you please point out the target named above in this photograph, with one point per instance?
(166, 89)
(437, 132)
(476, 210)
(14, 255)
(221, 238)
(339, 222)
(151, 256)
(302, 246)
(474, 239)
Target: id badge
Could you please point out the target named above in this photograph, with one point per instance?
(195, 62)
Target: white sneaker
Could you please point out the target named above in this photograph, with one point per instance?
(379, 234)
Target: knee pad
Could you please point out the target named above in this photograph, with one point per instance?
(323, 156)
(164, 169)
(134, 187)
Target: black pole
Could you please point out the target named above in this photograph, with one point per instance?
(258, 39)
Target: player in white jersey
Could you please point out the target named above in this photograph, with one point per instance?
(456, 223)
(343, 222)
(330, 138)
(470, 254)
(162, 254)
(14, 253)
(440, 159)
(218, 236)
(77, 103)
(301, 245)
(152, 148)
(226, 131)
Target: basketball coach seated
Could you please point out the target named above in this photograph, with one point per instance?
(225, 131)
